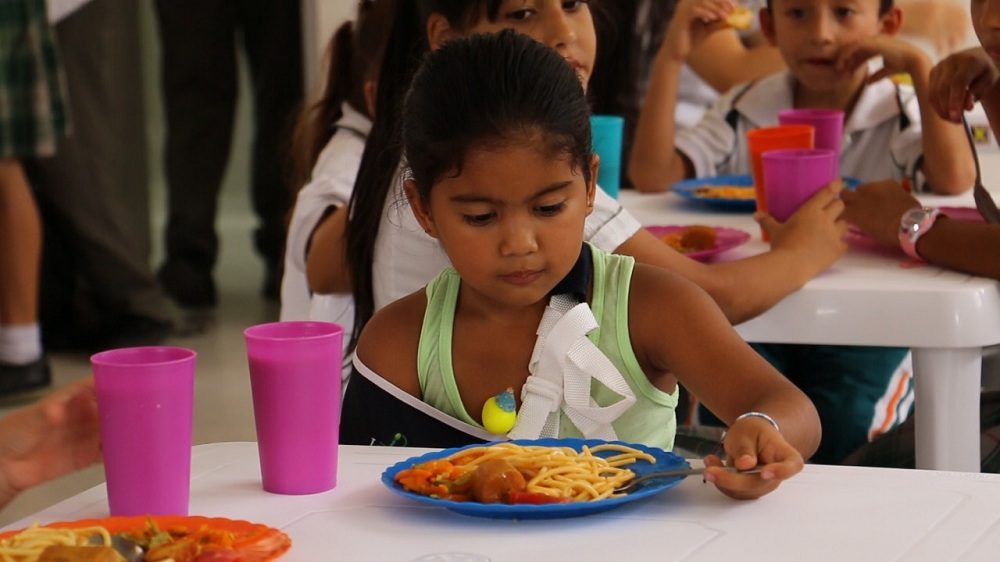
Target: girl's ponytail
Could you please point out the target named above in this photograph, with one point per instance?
(314, 126)
(381, 158)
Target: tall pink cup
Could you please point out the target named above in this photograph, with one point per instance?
(295, 380)
(145, 398)
(828, 123)
(791, 177)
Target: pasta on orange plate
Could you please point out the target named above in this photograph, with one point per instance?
(29, 544)
(511, 473)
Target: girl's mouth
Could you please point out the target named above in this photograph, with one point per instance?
(523, 277)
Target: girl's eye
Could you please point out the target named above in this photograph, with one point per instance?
(796, 13)
(478, 220)
(520, 15)
(551, 210)
(573, 5)
(843, 12)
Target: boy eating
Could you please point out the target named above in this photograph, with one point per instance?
(890, 132)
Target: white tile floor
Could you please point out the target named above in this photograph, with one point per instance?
(223, 409)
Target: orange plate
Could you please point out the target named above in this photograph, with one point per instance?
(259, 542)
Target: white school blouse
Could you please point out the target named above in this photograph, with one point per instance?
(330, 186)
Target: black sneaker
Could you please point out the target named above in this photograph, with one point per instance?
(21, 378)
(187, 285)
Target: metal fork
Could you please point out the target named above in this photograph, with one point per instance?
(984, 201)
(639, 481)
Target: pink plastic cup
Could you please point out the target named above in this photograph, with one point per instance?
(295, 380)
(791, 177)
(145, 398)
(828, 123)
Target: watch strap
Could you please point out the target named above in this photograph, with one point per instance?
(913, 225)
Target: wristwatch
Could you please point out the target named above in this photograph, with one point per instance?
(914, 224)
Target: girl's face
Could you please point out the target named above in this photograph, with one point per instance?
(564, 25)
(986, 21)
(511, 222)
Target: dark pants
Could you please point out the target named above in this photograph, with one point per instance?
(845, 383)
(97, 283)
(199, 39)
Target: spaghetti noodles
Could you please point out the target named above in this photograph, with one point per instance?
(27, 546)
(558, 472)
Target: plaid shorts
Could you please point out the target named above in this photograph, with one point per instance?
(32, 107)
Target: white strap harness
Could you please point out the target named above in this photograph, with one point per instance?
(563, 364)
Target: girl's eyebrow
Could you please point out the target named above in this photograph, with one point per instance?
(471, 198)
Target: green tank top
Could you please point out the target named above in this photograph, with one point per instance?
(650, 420)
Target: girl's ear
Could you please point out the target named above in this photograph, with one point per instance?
(595, 164)
(767, 26)
(421, 210)
(891, 21)
(439, 31)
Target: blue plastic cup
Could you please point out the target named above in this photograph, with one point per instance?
(606, 132)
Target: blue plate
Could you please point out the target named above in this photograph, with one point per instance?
(688, 189)
(664, 461)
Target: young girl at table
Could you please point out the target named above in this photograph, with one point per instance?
(390, 256)
(500, 172)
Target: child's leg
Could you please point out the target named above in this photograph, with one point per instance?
(20, 247)
(21, 363)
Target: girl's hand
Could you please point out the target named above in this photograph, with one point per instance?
(959, 80)
(753, 443)
(692, 22)
(876, 209)
(814, 233)
(897, 56)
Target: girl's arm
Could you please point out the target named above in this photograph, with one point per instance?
(801, 248)
(698, 346)
(974, 248)
(654, 163)
(326, 255)
(724, 61)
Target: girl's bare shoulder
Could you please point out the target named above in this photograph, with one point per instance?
(388, 343)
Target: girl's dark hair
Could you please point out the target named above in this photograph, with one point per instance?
(883, 6)
(353, 56)
(405, 45)
(492, 89)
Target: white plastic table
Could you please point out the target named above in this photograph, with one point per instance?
(824, 513)
(867, 298)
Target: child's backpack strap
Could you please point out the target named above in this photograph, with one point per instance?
(733, 115)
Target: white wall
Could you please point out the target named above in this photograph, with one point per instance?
(320, 18)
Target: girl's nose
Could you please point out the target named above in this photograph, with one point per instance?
(559, 30)
(517, 238)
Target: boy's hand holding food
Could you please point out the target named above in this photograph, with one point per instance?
(898, 57)
(694, 20)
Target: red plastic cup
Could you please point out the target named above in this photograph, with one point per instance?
(145, 398)
(791, 177)
(765, 139)
(295, 381)
(829, 125)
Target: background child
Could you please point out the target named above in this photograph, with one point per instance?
(328, 141)
(496, 132)
(955, 84)
(391, 256)
(890, 132)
